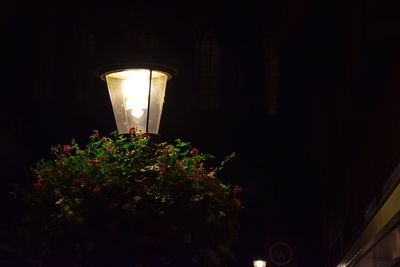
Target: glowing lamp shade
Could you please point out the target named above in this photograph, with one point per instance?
(259, 263)
(137, 97)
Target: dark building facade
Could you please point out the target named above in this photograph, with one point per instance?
(304, 92)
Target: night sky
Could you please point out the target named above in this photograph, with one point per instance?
(282, 158)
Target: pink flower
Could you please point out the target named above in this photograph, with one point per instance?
(132, 130)
(194, 151)
(66, 148)
(146, 135)
(55, 150)
(105, 138)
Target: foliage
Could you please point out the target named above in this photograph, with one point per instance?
(156, 203)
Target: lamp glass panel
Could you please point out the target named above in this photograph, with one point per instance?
(129, 93)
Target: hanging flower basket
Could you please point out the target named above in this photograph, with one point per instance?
(125, 200)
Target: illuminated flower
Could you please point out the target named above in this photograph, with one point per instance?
(110, 147)
(66, 148)
(194, 151)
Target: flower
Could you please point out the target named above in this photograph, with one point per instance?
(237, 202)
(152, 188)
(66, 148)
(110, 147)
(194, 151)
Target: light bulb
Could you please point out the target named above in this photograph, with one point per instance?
(137, 113)
(259, 263)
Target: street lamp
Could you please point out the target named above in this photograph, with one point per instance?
(137, 94)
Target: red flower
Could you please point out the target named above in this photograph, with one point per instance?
(191, 177)
(194, 151)
(110, 148)
(197, 165)
(237, 202)
(95, 162)
(132, 130)
(163, 167)
(55, 150)
(146, 135)
(136, 137)
(180, 161)
(66, 148)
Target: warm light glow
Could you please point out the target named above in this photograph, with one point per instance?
(135, 89)
(137, 113)
(259, 263)
(137, 96)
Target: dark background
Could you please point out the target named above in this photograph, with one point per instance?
(296, 90)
